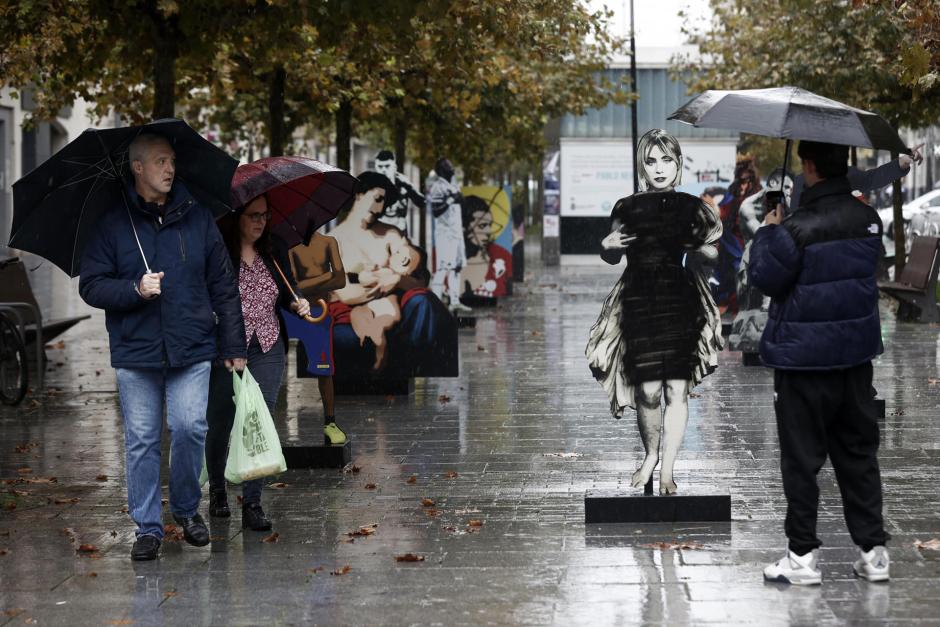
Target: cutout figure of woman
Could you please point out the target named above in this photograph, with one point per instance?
(659, 331)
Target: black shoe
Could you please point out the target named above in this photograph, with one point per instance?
(145, 548)
(218, 504)
(194, 529)
(253, 518)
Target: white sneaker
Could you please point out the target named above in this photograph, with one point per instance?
(460, 308)
(795, 569)
(873, 565)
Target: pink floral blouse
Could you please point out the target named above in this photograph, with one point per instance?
(259, 298)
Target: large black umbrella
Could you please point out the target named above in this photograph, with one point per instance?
(790, 113)
(56, 206)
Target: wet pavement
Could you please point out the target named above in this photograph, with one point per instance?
(506, 452)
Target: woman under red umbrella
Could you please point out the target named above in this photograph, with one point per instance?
(265, 284)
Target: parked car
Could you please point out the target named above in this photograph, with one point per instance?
(921, 217)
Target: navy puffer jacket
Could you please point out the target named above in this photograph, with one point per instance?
(819, 266)
(178, 328)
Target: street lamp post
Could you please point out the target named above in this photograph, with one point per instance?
(633, 123)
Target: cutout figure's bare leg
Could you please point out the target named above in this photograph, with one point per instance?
(675, 418)
(650, 421)
(326, 395)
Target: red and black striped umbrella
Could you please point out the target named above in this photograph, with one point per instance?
(303, 194)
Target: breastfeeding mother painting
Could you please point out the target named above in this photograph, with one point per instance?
(659, 331)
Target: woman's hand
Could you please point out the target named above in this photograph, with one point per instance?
(617, 241)
(301, 307)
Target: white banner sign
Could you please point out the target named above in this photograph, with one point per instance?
(595, 175)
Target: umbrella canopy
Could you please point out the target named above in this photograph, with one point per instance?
(303, 194)
(790, 113)
(56, 206)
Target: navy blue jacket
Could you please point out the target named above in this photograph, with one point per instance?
(178, 328)
(819, 266)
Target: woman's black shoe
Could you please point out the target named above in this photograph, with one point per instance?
(218, 504)
(253, 518)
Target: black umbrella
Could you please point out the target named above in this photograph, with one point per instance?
(790, 113)
(56, 205)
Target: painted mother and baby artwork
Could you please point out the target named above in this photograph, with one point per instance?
(387, 323)
(659, 331)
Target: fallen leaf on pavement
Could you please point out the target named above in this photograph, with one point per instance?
(432, 513)
(25, 448)
(14, 612)
(10, 506)
(536, 333)
(427, 502)
(409, 557)
(66, 501)
(475, 522)
(87, 548)
(171, 593)
(412, 479)
(216, 538)
(280, 485)
(92, 574)
(451, 474)
(271, 538)
(367, 530)
(370, 486)
(58, 345)
(101, 478)
(481, 348)
(41, 480)
(443, 398)
(930, 545)
(665, 546)
(172, 533)
(4, 551)
(339, 572)
(25, 471)
(314, 571)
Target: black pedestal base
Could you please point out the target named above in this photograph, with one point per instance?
(466, 322)
(608, 507)
(326, 456)
(373, 387)
(751, 359)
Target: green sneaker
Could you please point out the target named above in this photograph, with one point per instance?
(334, 434)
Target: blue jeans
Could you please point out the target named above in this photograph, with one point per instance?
(144, 393)
(267, 369)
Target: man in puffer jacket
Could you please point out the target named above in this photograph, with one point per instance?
(819, 267)
(161, 320)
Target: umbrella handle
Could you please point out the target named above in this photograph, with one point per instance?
(322, 315)
(322, 302)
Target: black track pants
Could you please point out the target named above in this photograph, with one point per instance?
(829, 413)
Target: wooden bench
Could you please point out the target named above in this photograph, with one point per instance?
(916, 288)
(16, 292)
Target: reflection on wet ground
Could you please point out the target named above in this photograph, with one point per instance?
(484, 448)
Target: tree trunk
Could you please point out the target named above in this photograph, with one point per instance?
(401, 136)
(165, 53)
(343, 135)
(423, 221)
(276, 126)
(900, 248)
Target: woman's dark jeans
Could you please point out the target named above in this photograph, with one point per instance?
(267, 369)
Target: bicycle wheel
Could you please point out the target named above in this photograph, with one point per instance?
(14, 371)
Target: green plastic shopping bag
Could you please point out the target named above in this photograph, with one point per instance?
(254, 450)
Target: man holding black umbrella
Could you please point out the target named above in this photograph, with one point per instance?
(819, 266)
(161, 322)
